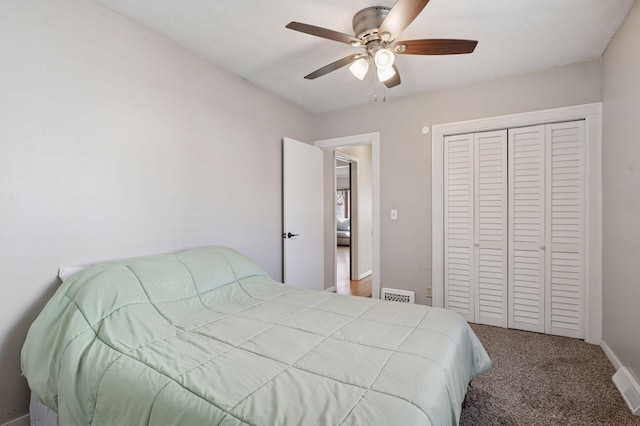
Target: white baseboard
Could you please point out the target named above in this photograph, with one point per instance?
(626, 383)
(20, 421)
(365, 274)
(333, 288)
(609, 353)
(629, 387)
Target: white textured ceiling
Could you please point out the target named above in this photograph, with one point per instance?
(249, 38)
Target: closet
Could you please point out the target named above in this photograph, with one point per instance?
(514, 250)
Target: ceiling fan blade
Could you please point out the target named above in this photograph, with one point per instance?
(435, 46)
(324, 33)
(333, 66)
(393, 81)
(400, 16)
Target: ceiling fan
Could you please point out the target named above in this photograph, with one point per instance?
(376, 29)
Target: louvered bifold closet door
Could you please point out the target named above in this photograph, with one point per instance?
(565, 205)
(527, 228)
(458, 225)
(490, 214)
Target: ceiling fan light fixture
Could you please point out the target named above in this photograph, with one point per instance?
(360, 68)
(384, 58)
(400, 48)
(385, 74)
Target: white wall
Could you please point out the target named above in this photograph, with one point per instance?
(406, 153)
(115, 143)
(621, 193)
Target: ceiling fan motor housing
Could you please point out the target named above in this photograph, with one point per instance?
(367, 21)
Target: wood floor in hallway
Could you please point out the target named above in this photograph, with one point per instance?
(344, 284)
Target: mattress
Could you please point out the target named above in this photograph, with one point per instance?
(207, 337)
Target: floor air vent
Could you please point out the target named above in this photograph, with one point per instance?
(395, 295)
(629, 388)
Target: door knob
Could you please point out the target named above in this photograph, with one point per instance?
(289, 235)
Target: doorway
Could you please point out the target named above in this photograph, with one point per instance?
(361, 272)
(344, 223)
(344, 169)
(353, 219)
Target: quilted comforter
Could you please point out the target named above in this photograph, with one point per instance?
(207, 337)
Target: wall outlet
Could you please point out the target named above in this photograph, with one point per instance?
(429, 292)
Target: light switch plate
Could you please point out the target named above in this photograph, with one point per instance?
(394, 214)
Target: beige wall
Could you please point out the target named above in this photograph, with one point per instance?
(406, 153)
(621, 193)
(116, 143)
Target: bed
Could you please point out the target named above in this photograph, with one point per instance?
(205, 336)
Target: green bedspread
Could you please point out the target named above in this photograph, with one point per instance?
(207, 337)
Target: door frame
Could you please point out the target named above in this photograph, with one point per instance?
(372, 139)
(592, 114)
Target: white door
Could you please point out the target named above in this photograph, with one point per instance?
(565, 251)
(547, 228)
(527, 228)
(490, 226)
(459, 277)
(302, 192)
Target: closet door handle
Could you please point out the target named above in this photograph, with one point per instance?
(542, 248)
(477, 244)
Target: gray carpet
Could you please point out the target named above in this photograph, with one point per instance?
(538, 379)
